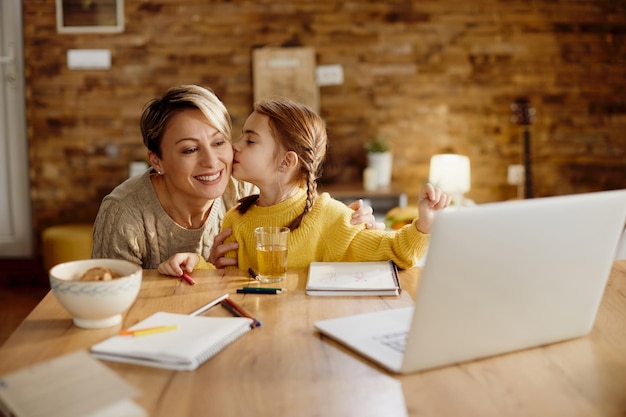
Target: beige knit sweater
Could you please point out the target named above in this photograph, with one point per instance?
(132, 225)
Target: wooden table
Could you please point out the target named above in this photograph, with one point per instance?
(285, 368)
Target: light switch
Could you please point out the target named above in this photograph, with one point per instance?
(92, 59)
(329, 75)
(515, 175)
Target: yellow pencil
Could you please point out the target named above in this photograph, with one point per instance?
(147, 331)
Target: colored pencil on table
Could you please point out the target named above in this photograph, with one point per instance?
(259, 290)
(188, 279)
(147, 331)
(230, 306)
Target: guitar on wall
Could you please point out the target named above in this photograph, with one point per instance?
(523, 115)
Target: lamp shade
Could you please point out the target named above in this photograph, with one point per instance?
(450, 172)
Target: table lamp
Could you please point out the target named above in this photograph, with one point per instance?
(451, 173)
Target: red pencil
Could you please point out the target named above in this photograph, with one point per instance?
(188, 278)
(241, 311)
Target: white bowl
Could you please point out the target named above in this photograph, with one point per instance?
(95, 304)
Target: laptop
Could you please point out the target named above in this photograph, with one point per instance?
(499, 277)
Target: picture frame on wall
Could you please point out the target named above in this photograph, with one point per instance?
(90, 16)
(286, 71)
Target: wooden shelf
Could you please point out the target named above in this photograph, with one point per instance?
(382, 199)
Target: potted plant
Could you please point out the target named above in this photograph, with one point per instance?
(377, 146)
(379, 159)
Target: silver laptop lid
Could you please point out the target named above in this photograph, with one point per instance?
(507, 276)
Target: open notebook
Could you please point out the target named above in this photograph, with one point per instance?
(499, 277)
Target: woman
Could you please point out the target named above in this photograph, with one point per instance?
(178, 205)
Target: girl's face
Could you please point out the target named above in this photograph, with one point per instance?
(196, 158)
(256, 152)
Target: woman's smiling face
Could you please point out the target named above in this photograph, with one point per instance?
(196, 158)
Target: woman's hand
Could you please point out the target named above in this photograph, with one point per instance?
(179, 263)
(220, 248)
(364, 214)
(431, 199)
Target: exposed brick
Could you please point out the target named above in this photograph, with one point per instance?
(428, 75)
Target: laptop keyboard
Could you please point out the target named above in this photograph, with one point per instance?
(395, 341)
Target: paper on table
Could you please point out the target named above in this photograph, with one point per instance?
(73, 385)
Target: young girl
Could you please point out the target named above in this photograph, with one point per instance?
(281, 151)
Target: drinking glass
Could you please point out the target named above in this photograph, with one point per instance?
(271, 251)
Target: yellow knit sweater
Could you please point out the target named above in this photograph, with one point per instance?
(325, 234)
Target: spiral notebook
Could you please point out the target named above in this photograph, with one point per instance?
(189, 342)
(378, 278)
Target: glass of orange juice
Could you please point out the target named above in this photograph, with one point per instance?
(271, 251)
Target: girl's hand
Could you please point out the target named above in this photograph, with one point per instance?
(364, 214)
(431, 199)
(179, 263)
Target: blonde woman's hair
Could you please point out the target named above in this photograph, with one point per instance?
(158, 112)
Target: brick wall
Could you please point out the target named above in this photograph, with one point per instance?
(427, 75)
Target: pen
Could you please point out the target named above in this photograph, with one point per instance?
(188, 278)
(239, 311)
(259, 290)
(209, 305)
(147, 331)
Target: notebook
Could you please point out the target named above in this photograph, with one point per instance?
(353, 278)
(498, 278)
(194, 340)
